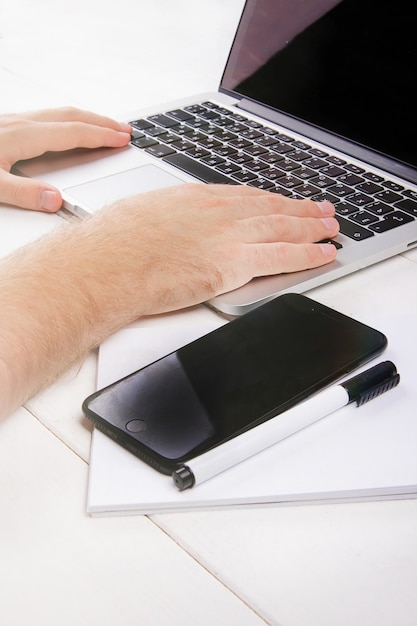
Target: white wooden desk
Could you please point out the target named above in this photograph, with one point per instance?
(326, 565)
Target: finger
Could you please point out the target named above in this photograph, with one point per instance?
(270, 259)
(73, 114)
(28, 193)
(57, 136)
(252, 201)
(273, 228)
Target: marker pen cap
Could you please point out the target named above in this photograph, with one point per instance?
(183, 478)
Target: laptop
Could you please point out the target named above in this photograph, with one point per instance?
(315, 102)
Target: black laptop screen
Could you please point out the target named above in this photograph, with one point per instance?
(346, 66)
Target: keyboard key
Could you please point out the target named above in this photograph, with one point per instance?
(251, 134)
(353, 231)
(240, 143)
(254, 150)
(354, 168)
(379, 208)
(156, 131)
(318, 153)
(392, 220)
(180, 115)
(210, 105)
(322, 181)
(341, 190)
(307, 191)
(223, 135)
(211, 116)
(300, 145)
(266, 140)
(408, 205)
(169, 138)
(281, 191)
(197, 169)
(144, 142)
(350, 179)
(364, 218)
(290, 182)
(299, 155)
(344, 208)
(209, 143)
(225, 151)
(281, 148)
(390, 184)
(287, 166)
(228, 168)
(360, 199)
(282, 137)
(212, 160)
(182, 145)
(325, 195)
(193, 135)
(331, 170)
(244, 176)
(374, 177)
(136, 134)
(261, 183)
(336, 244)
(336, 160)
(163, 120)
(410, 193)
(369, 187)
(256, 165)
(254, 124)
(159, 150)
(306, 173)
(141, 124)
(271, 158)
(273, 173)
(388, 196)
(197, 123)
(241, 158)
(195, 109)
(198, 153)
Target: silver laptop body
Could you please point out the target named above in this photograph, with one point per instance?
(315, 101)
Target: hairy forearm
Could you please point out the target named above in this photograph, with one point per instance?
(157, 252)
(59, 298)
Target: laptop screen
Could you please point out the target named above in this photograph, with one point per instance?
(345, 66)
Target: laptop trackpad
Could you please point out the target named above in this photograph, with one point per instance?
(93, 195)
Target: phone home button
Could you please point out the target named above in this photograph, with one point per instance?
(135, 426)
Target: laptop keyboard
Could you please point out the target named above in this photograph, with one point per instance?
(220, 146)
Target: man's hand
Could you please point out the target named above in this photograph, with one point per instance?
(29, 135)
(152, 253)
(186, 244)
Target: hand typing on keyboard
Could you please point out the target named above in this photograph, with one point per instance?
(197, 241)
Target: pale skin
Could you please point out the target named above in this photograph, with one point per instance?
(162, 251)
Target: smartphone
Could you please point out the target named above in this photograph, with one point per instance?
(230, 380)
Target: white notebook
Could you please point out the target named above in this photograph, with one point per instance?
(354, 454)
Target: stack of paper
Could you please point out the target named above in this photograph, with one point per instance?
(353, 454)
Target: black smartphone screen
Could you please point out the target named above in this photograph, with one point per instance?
(232, 379)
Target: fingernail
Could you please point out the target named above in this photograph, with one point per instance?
(328, 249)
(48, 200)
(326, 207)
(329, 222)
(126, 128)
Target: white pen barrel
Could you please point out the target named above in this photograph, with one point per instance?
(267, 434)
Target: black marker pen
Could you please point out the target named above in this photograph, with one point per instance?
(361, 388)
